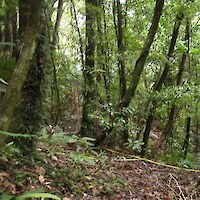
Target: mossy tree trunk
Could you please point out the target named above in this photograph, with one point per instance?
(89, 94)
(30, 12)
(28, 115)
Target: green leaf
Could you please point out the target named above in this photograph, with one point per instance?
(9, 144)
(38, 195)
(6, 197)
(72, 139)
(88, 138)
(88, 159)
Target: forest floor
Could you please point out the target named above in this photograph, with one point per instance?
(112, 177)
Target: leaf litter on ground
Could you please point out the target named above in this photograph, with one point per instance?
(109, 178)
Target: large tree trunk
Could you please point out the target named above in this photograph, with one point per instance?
(28, 114)
(90, 94)
(29, 30)
(102, 62)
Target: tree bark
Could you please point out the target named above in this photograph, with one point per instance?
(29, 30)
(102, 57)
(53, 47)
(187, 137)
(174, 109)
(9, 28)
(90, 89)
(28, 115)
(79, 35)
(158, 85)
(121, 51)
(106, 52)
(136, 73)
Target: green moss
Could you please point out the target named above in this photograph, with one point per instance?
(6, 68)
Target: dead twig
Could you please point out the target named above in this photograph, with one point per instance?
(181, 194)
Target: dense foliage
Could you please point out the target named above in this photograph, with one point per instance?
(119, 74)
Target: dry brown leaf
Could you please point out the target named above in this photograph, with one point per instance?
(41, 179)
(40, 170)
(4, 174)
(9, 187)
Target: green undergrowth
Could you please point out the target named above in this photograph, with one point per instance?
(62, 164)
(81, 164)
(177, 158)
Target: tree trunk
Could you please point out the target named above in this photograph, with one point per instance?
(158, 85)
(136, 73)
(28, 115)
(196, 139)
(174, 109)
(53, 47)
(79, 35)
(121, 51)
(9, 28)
(90, 94)
(107, 75)
(187, 137)
(102, 61)
(29, 30)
